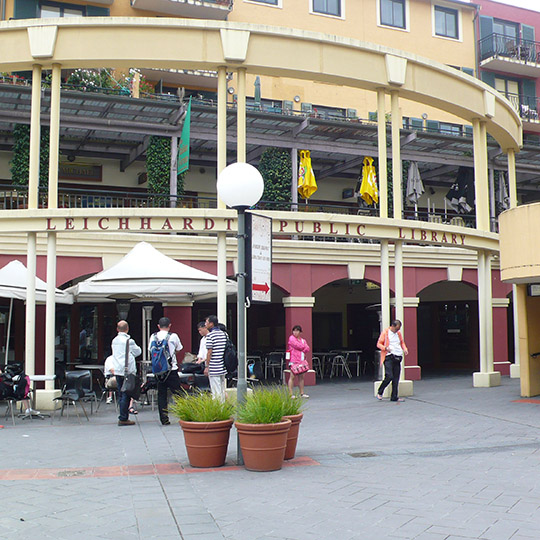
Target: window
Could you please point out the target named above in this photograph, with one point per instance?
(507, 29)
(450, 129)
(327, 7)
(270, 2)
(53, 10)
(446, 22)
(393, 13)
(509, 89)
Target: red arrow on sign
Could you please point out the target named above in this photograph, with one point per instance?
(264, 288)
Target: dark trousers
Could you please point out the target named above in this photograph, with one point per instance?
(170, 382)
(392, 369)
(123, 400)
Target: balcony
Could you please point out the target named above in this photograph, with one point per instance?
(510, 55)
(527, 108)
(192, 9)
(14, 197)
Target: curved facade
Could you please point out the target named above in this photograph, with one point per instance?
(403, 258)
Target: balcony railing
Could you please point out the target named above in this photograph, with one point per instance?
(16, 197)
(509, 47)
(526, 106)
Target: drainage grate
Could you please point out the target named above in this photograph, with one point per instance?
(67, 474)
(362, 454)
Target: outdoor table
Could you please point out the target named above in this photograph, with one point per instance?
(33, 413)
(324, 356)
(94, 367)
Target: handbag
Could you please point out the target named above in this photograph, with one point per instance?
(132, 383)
(300, 367)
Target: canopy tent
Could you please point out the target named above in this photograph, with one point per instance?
(13, 278)
(147, 274)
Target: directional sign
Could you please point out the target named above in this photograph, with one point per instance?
(259, 257)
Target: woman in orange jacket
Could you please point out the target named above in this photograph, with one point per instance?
(392, 349)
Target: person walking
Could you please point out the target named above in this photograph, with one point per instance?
(297, 347)
(216, 340)
(170, 380)
(118, 368)
(392, 349)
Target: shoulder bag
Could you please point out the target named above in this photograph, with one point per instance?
(132, 383)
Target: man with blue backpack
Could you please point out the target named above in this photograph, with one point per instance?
(163, 347)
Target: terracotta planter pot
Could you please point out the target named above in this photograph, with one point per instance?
(206, 442)
(292, 438)
(263, 445)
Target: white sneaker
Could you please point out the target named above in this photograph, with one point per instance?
(32, 411)
(109, 400)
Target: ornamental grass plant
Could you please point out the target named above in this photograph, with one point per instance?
(264, 406)
(292, 404)
(201, 407)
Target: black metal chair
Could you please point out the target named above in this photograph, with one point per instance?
(274, 361)
(89, 393)
(73, 393)
(11, 405)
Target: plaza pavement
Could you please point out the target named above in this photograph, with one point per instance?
(450, 463)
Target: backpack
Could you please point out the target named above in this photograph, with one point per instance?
(230, 358)
(160, 355)
(21, 386)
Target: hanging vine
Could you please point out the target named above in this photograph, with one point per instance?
(158, 169)
(20, 163)
(275, 168)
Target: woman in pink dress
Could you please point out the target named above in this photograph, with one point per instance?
(296, 349)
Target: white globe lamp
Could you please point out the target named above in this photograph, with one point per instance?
(240, 185)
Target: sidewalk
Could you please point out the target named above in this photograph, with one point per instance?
(450, 463)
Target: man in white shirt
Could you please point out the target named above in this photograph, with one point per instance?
(118, 367)
(203, 353)
(170, 380)
(392, 347)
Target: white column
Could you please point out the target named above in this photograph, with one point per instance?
(241, 117)
(381, 149)
(492, 215)
(33, 190)
(481, 190)
(221, 164)
(54, 152)
(385, 284)
(30, 341)
(398, 279)
(486, 377)
(515, 368)
(397, 172)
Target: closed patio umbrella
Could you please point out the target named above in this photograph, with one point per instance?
(415, 187)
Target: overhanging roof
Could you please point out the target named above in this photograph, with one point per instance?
(118, 127)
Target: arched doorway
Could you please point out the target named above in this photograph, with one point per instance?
(448, 328)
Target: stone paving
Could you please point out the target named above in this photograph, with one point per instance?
(450, 463)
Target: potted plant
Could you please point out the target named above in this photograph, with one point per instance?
(262, 430)
(293, 411)
(206, 423)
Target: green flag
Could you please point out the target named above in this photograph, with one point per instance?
(183, 146)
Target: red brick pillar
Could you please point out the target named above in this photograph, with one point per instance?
(298, 310)
(180, 315)
(500, 335)
(410, 335)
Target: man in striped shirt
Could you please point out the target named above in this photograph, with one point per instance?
(216, 340)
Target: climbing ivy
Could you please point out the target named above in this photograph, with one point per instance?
(158, 169)
(20, 163)
(275, 168)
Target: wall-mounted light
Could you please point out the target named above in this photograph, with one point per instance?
(424, 116)
(230, 90)
(297, 99)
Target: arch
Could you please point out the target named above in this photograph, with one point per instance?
(154, 43)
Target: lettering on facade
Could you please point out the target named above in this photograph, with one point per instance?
(205, 224)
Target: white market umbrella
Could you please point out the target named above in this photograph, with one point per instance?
(13, 278)
(147, 274)
(415, 187)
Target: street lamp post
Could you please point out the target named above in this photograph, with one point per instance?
(240, 186)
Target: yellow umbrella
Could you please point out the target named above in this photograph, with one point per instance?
(307, 185)
(368, 189)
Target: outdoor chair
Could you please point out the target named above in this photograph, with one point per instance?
(11, 404)
(72, 393)
(339, 362)
(274, 362)
(89, 393)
